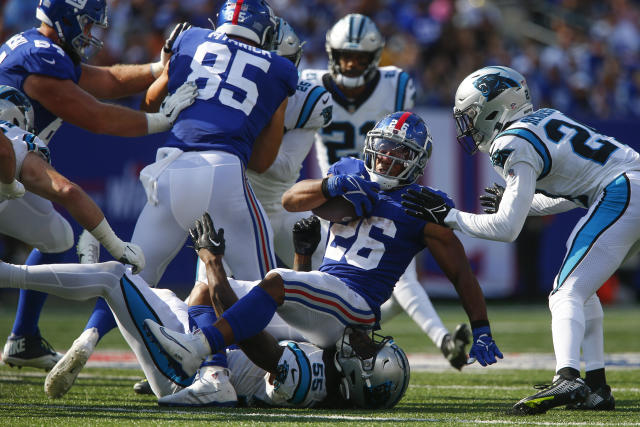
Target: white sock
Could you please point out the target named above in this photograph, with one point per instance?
(106, 236)
(567, 327)
(593, 343)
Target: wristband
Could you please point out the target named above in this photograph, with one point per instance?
(325, 188)
(156, 123)
(156, 69)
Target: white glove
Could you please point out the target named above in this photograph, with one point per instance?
(11, 191)
(171, 107)
(129, 253)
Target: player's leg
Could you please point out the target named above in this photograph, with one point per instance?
(34, 221)
(599, 243)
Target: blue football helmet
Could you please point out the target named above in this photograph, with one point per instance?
(396, 150)
(287, 43)
(250, 19)
(72, 20)
(16, 108)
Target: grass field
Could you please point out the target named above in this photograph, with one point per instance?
(442, 397)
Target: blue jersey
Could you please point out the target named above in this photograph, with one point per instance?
(240, 87)
(370, 254)
(32, 53)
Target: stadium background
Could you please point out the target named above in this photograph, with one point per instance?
(580, 57)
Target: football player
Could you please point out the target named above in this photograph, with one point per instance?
(363, 260)
(364, 373)
(45, 64)
(235, 123)
(363, 93)
(551, 163)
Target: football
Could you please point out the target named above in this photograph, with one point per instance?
(337, 209)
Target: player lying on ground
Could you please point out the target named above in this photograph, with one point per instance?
(551, 164)
(363, 260)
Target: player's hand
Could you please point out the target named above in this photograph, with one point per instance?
(491, 201)
(204, 236)
(165, 54)
(426, 205)
(306, 235)
(484, 348)
(361, 193)
(131, 254)
(173, 104)
(11, 191)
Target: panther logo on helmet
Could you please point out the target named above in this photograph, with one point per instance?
(492, 85)
(15, 108)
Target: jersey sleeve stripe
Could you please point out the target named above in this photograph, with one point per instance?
(537, 144)
(401, 89)
(308, 106)
(304, 369)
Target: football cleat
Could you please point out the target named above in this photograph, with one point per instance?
(185, 352)
(29, 350)
(562, 391)
(211, 387)
(142, 387)
(88, 248)
(453, 347)
(65, 372)
(599, 400)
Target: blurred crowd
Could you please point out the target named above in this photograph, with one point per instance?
(582, 57)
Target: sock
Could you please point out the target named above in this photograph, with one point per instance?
(102, 318)
(30, 303)
(569, 373)
(202, 316)
(596, 379)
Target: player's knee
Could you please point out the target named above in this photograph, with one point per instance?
(68, 192)
(61, 236)
(274, 286)
(199, 294)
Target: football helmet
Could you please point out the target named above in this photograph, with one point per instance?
(287, 43)
(16, 108)
(485, 102)
(374, 370)
(354, 33)
(250, 19)
(72, 20)
(396, 150)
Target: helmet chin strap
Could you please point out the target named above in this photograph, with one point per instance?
(385, 182)
(350, 82)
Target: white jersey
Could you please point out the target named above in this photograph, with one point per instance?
(23, 142)
(571, 161)
(300, 381)
(308, 109)
(391, 90)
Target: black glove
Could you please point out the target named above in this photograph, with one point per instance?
(168, 43)
(425, 205)
(306, 235)
(204, 236)
(491, 201)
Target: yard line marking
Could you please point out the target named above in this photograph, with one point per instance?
(320, 417)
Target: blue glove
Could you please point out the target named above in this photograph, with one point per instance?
(361, 193)
(484, 348)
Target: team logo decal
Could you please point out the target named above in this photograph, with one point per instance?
(493, 85)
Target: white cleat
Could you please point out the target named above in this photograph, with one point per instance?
(185, 352)
(88, 248)
(65, 372)
(211, 387)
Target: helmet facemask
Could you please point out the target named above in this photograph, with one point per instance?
(287, 43)
(85, 44)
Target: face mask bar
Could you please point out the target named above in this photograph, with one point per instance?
(87, 45)
(465, 131)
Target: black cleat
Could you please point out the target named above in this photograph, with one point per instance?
(599, 400)
(142, 387)
(562, 391)
(453, 347)
(29, 350)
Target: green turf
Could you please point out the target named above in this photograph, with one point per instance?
(105, 396)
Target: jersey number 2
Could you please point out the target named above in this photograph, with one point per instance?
(213, 59)
(558, 130)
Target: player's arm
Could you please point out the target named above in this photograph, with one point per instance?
(544, 205)
(262, 349)
(306, 237)
(72, 104)
(156, 92)
(116, 81)
(266, 147)
(7, 160)
(304, 195)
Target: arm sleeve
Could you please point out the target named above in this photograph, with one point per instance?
(504, 225)
(295, 147)
(545, 205)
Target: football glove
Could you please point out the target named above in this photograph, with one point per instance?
(204, 236)
(11, 191)
(491, 201)
(165, 54)
(171, 107)
(306, 235)
(361, 193)
(426, 205)
(484, 348)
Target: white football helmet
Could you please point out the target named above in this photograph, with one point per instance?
(485, 102)
(16, 108)
(354, 33)
(287, 43)
(375, 371)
